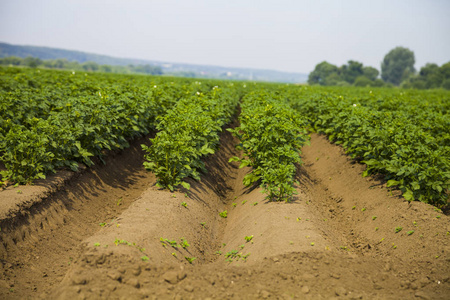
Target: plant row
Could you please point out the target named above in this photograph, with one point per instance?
(404, 136)
(271, 134)
(187, 133)
(53, 119)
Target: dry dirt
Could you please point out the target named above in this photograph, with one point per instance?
(336, 239)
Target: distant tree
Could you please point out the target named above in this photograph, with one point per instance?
(148, 69)
(351, 71)
(397, 65)
(445, 70)
(370, 73)
(105, 69)
(380, 83)
(430, 76)
(321, 72)
(333, 79)
(90, 66)
(32, 62)
(11, 60)
(446, 84)
(363, 81)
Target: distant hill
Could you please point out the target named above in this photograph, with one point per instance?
(178, 69)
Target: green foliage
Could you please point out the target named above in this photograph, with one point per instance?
(224, 214)
(402, 135)
(188, 132)
(352, 73)
(431, 76)
(397, 65)
(190, 259)
(271, 134)
(52, 119)
(248, 238)
(88, 66)
(321, 73)
(184, 243)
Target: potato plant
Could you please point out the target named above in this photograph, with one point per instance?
(271, 134)
(187, 133)
(55, 119)
(403, 135)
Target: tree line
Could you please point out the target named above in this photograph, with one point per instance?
(89, 66)
(397, 69)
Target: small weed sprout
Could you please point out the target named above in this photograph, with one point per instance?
(184, 204)
(190, 259)
(145, 258)
(398, 229)
(248, 238)
(410, 232)
(184, 243)
(224, 214)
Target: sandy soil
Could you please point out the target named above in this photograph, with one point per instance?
(336, 239)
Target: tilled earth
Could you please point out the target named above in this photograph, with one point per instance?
(110, 233)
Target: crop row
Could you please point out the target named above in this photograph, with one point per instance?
(53, 119)
(271, 134)
(187, 133)
(406, 137)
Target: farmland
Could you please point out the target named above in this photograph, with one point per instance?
(135, 186)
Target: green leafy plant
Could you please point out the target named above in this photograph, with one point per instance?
(248, 238)
(190, 259)
(223, 214)
(184, 243)
(271, 135)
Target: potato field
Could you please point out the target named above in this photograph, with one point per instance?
(132, 187)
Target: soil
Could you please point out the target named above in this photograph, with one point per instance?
(107, 233)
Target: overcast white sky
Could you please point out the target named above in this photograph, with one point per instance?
(285, 35)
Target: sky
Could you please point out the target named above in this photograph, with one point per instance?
(284, 35)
